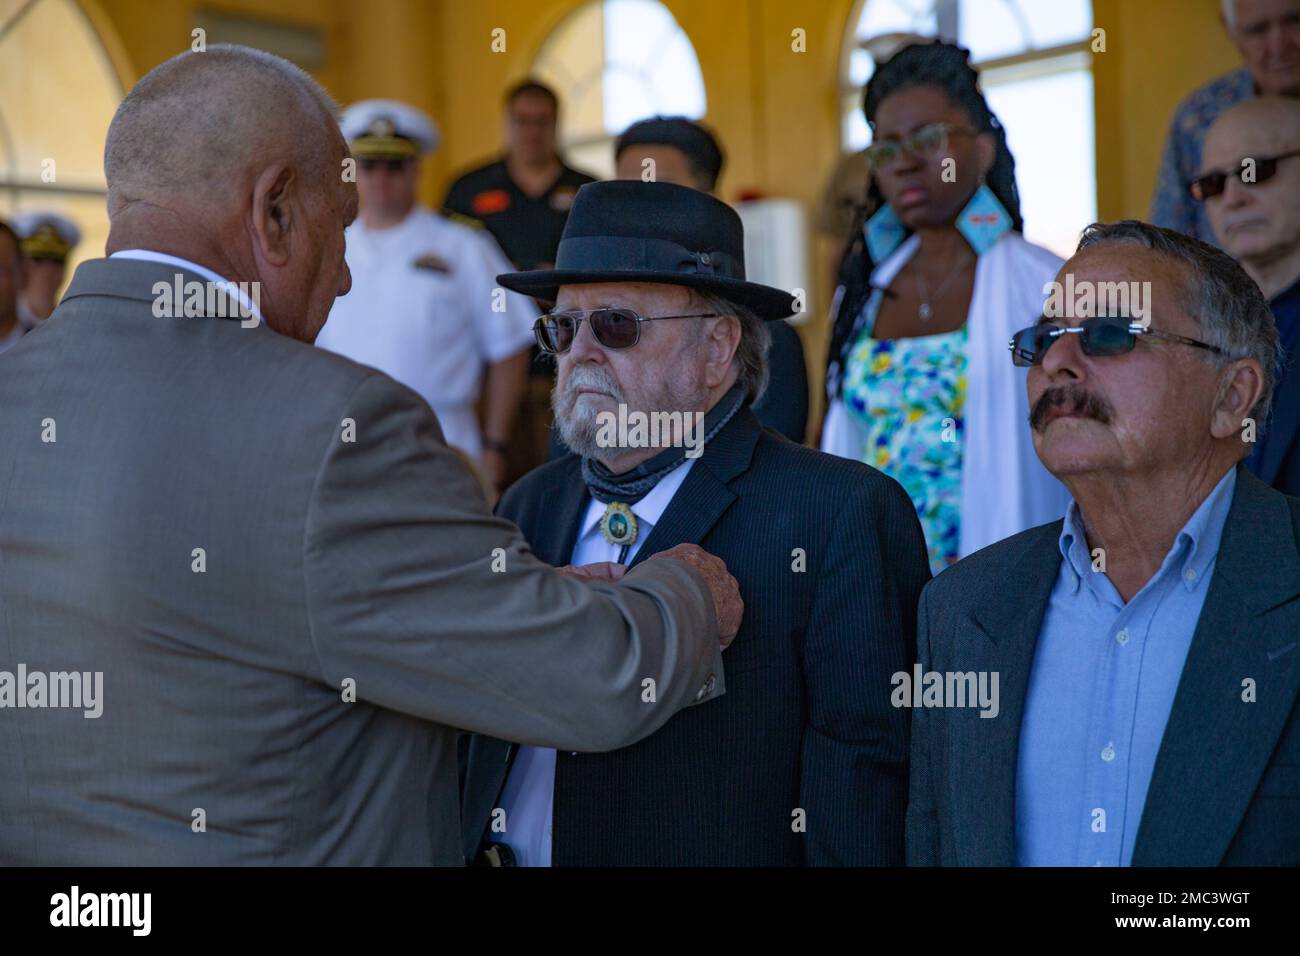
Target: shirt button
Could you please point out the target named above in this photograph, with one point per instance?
(1122, 636)
(1190, 575)
(1108, 753)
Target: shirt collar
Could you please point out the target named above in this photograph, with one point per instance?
(1074, 547)
(231, 288)
(649, 509)
(1193, 551)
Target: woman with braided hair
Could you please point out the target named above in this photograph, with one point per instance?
(919, 380)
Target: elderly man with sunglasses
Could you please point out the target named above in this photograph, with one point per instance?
(1250, 187)
(1143, 648)
(804, 761)
(1266, 34)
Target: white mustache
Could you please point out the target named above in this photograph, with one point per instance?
(590, 377)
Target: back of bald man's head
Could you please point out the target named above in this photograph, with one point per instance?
(209, 120)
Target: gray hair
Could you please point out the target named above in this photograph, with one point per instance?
(1229, 8)
(197, 118)
(1227, 304)
(755, 340)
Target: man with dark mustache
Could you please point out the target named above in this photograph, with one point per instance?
(1068, 400)
(1145, 645)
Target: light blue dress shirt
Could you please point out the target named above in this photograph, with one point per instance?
(1102, 685)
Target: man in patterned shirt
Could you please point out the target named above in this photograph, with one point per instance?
(1267, 35)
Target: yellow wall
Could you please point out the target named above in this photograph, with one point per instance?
(775, 110)
(1157, 52)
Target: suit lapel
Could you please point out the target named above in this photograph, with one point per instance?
(559, 514)
(1216, 746)
(704, 496)
(998, 636)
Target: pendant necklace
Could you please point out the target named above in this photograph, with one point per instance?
(926, 310)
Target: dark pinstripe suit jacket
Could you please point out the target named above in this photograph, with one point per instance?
(806, 722)
(1226, 784)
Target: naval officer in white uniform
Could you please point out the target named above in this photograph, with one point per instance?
(425, 306)
(47, 241)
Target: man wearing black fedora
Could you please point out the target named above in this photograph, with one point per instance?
(804, 760)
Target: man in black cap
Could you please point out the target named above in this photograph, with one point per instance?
(674, 149)
(805, 760)
(669, 149)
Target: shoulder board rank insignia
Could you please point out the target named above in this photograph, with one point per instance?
(431, 263)
(618, 526)
(462, 219)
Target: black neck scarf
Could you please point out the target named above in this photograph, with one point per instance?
(631, 486)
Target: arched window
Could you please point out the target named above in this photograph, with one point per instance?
(1035, 68)
(58, 92)
(614, 62)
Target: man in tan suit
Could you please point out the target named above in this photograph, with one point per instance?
(246, 591)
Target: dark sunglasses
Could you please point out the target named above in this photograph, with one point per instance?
(613, 328)
(392, 165)
(1212, 184)
(926, 141)
(1097, 337)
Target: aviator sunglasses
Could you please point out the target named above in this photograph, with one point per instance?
(1212, 184)
(613, 328)
(1097, 337)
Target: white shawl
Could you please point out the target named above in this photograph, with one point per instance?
(1004, 487)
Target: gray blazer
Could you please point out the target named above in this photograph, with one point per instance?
(182, 511)
(1226, 783)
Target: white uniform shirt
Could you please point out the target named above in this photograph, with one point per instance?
(421, 310)
(529, 794)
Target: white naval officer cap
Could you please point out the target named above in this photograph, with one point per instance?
(388, 129)
(46, 235)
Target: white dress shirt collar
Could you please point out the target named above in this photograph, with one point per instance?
(148, 255)
(648, 510)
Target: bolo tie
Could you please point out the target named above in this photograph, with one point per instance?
(618, 526)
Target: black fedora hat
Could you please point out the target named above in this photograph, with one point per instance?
(630, 231)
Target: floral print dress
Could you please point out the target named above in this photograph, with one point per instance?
(910, 395)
